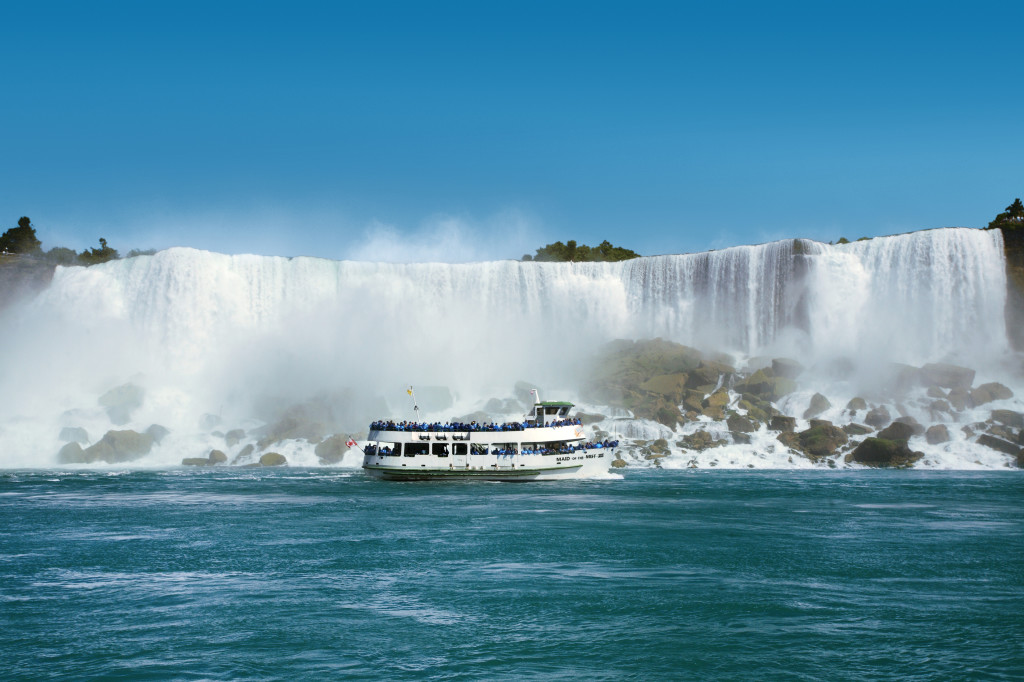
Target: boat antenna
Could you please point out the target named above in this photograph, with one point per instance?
(415, 407)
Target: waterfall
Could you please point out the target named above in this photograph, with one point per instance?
(206, 332)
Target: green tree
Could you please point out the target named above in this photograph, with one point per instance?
(571, 251)
(1012, 217)
(60, 255)
(21, 239)
(101, 255)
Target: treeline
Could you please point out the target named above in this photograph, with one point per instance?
(571, 251)
(22, 241)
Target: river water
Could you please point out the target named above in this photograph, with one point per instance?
(321, 573)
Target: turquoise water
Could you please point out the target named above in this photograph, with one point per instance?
(285, 574)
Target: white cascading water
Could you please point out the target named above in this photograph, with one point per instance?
(211, 333)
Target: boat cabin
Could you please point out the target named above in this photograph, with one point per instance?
(546, 413)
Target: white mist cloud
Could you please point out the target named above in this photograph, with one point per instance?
(449, 239)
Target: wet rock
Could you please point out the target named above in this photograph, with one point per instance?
(716, 413)
(856, 405)
(119, 446)
(272, 459)
(1009, 418)
(719, 398)
(660, 446)
(821, 440)
(700, 440)
(783, 423)
(741, 438)
(786, 368)
(739, 423)
(157, 432)
(917, 427)
(999, 444)
(71, 453)
(333, 449)
(618, 463)
(217, 457)
(855, 429)
(1000, 431)
(819, 404)
(959, 398)
(234, 437)
(878, 417)
(586, 419)
(940, 406)
(903, 378)
(74, 434)
(765, 385)
(936, 392)
(947, 376)
(997, 390)
(937, 434)
(879, 452)
(121, 401)
(897, 431)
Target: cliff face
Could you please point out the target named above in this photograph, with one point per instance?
(1013, 245)
(22, 276)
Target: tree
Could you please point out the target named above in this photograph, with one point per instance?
(60, 255)
(21, 239)
(571, 251)
(101, 255)
(1012, 217)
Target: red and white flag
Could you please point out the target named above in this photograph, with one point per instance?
(350, 443)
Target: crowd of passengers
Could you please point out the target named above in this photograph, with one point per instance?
(564, 449)
(463, 427)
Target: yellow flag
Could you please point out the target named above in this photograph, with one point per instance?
(409, 391)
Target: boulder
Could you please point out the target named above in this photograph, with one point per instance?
(1009, 418)
(940, 406)
(293, 425)
(741, 438)
(821, 440)
(74, 434)
(856, 405)
(660, 446)
(71, 453)
(855, 429)
(704, 375)
(819, 404)
(959, 398)
(765, 385)
(119, 446)
(234, 437)
(947, 376)
(1000, 431)
(719, 398)
(217, 457)
(878, 417)
(897, 431)
(121, 401)
(195, 462)
(272, 459)
(586, 418)
(902, 378)
(618, 463)
(782, 423)
(879, 452)
(333, 449)
(997, 390)
(740, 424)
(157, 432)
(917, 427)
(700, 440)
(937, 434)
(786, 368)
(999, 444)
(936, 392)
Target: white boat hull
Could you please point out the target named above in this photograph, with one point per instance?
(520, 467)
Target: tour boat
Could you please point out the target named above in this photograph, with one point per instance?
(547, 444)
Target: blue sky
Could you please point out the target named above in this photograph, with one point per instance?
(466, 131)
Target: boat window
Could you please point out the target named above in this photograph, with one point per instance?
(440, 449)
(476, 449)
(551, 410)
(459, 448)
(564, 411)
(413, 449)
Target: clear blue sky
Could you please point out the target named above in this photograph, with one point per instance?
(468, 130)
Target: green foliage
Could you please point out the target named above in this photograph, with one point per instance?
(571, 251)
(60, 255)
(21, 239)
(1012, 217)
(101, 255)
(140, 252)
(843, 240)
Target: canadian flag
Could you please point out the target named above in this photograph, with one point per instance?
(350, 443)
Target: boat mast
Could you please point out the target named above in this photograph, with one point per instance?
(415, 407)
